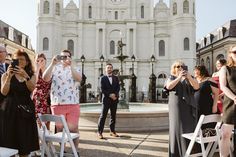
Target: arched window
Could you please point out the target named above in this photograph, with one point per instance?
(161, 48)
(45, 43)
(116, 15)
(175, 8)
(57, 9)
(90, 12)
(186, 44)
(112, 47)
(202, 62)
(186, 7)
(70, 46)
(208, 64)
(46, 7)
(142, 11)
(220, 56)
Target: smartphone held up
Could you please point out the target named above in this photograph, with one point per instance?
(14, 63)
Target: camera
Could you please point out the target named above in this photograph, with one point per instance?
(185, 68)
(14, 63)
(61, 57)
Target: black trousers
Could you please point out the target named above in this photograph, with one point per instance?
(102, 118)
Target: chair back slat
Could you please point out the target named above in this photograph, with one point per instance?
(50, 118)
(212, 118)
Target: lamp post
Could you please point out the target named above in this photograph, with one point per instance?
(133, 82)
(101, 74)
(83, 90)
(152, 84)
(101, 59)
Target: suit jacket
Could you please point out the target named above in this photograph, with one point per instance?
(108, 88)
(2, 96)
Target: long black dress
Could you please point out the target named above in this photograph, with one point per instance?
(182, 116)
(20, 129)
(204, 97)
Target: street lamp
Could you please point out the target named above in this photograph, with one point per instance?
(133, 82)
(152, 84)
(82, 60)
(152, 60)
(83, 89)
(101, 59)
(133, 59)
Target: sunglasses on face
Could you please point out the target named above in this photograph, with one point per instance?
(234, 52)
(179, 66)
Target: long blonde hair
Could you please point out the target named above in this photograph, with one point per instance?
(172, 70)
(230, 61)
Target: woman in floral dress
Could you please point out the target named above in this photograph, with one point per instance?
(41, 91)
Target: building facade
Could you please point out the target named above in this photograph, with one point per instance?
(94, 28)
(216, 44)
(13, 39)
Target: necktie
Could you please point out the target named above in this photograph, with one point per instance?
(2, 70)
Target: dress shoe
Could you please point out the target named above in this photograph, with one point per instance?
(100, 136)
(114, 134)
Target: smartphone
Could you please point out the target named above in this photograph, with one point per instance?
(14, 63)
(185, 67)
(59, 57)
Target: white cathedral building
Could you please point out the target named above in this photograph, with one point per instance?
(94, 28)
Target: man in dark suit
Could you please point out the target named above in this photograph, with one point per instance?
(110, 92)
(3, 68)
(3, 65)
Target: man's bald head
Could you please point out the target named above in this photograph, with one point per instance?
(2, 49)
(3, 54)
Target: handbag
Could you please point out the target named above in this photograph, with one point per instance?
(25, 111)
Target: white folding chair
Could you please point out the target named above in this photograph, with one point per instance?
(60, 137)
(7, 152)
(43, 142)
(197, 136)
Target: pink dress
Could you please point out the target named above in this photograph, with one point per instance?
(219, 102)
(41, 95)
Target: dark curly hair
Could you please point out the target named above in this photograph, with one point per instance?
(203, 71)
(28, 68)
(222, 61)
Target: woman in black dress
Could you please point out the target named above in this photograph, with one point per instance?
(228, 86)
(207, 95)
(20, 129)
(182, 107)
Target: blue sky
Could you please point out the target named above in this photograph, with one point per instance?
(22, 15)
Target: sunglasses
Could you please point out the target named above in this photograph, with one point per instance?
(234, 52)
(178, 66)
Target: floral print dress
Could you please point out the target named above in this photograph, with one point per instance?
(41, 95)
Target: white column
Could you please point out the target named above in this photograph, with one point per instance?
(103, 9)
(151, 28)
(134, 42)
(104, 42)
(134, 9)
(80, 40)
(97, 43)
(128, 51)
(81, 9)
(151, 9)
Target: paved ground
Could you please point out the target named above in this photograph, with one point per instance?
(148, 144)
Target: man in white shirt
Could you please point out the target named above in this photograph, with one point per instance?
(64, 92)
